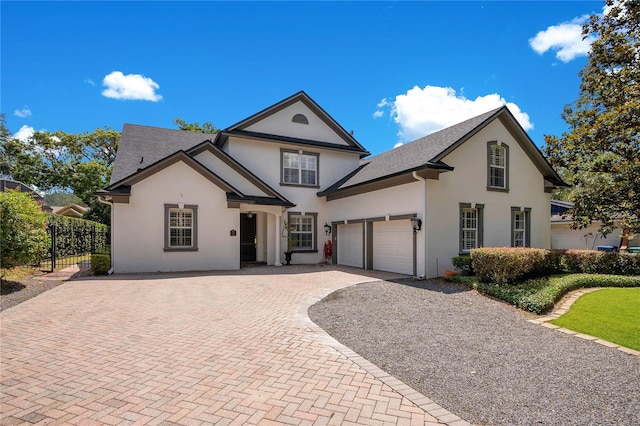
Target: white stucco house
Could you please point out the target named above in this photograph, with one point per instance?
(291, 178)
(589, 238)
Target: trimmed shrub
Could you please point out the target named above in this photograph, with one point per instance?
(597, 262)
(463, 263)
(100, 263)
(506, 265)
(540, 294)
(77, 236)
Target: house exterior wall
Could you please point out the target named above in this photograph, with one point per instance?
(138, 227)
(402, 200)
(280, 123)
(229, 175)
(468, 184)
(563, 237)
(263, 159)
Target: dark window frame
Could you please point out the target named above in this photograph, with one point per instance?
(490, 186)
(299, 184)
(527, 226)
(479, 226)
(194, 228)
(314, 232)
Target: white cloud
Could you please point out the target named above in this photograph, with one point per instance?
(130, 87)
(565, 38)
(378, 113)
(24, 133)
(398, 144)
(89, 81)
(22, 113)
(420, 112)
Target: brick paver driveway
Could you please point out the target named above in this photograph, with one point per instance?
(205, 349)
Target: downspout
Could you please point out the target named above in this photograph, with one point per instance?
(110, 204)
(424, 223)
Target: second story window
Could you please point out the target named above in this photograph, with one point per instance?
(498, 167)
(299, 168)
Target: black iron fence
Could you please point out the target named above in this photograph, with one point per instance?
(73, 242)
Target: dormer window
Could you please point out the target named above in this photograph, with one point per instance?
(299, 118)
(497, 167)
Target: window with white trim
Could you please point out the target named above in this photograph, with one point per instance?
(470, 227)
(302, 232)
(520, 227)
(498, 166)
(180, 227)
(299, 168)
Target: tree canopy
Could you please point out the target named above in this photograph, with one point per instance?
(207, 127)
(51, 161)
(601, 150)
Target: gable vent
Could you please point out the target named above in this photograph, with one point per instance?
(299, 118)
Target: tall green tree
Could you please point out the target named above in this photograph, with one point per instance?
(601, 150)
(5, 135)
(207, 127)
(81, 162)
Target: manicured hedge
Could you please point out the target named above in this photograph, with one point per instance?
(77, 236)
(505, 265)
(509, 265)
(100, 264)
(539, 295)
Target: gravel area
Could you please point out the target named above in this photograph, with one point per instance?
(480, 358)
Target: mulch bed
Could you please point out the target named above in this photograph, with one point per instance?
(13, 293)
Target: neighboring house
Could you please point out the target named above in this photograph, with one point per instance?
(71, 210)
(291, 178)
(589, 238)
(8, 184)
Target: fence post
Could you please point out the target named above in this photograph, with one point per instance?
(53, 247)
(93, 239)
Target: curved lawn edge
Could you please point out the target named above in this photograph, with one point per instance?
(539, 295)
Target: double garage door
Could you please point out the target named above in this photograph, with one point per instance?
(391, 246)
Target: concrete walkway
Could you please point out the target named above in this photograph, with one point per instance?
(233, 348)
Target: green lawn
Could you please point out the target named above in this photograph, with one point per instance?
(612, 314)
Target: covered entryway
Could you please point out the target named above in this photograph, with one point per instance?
(392, 246)
(350, 247)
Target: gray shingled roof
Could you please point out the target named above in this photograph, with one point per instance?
(421, 153)
(141, 146)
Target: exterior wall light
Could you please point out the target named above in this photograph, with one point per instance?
(327, 229)
(416, 224)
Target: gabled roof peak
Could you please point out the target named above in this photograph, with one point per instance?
(303, 97)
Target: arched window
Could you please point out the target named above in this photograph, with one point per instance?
(299, 118)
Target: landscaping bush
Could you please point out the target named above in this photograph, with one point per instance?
(463, 263)
(505, 265)
(100, 264)
(598, 262)
(540, 294)
(77, 236)
(23, 233)
(510, 265)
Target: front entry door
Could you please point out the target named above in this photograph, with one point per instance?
(247, 237)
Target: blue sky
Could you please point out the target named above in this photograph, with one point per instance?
(389, 71)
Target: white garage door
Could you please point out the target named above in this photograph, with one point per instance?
(351, 245)
(393, 246)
